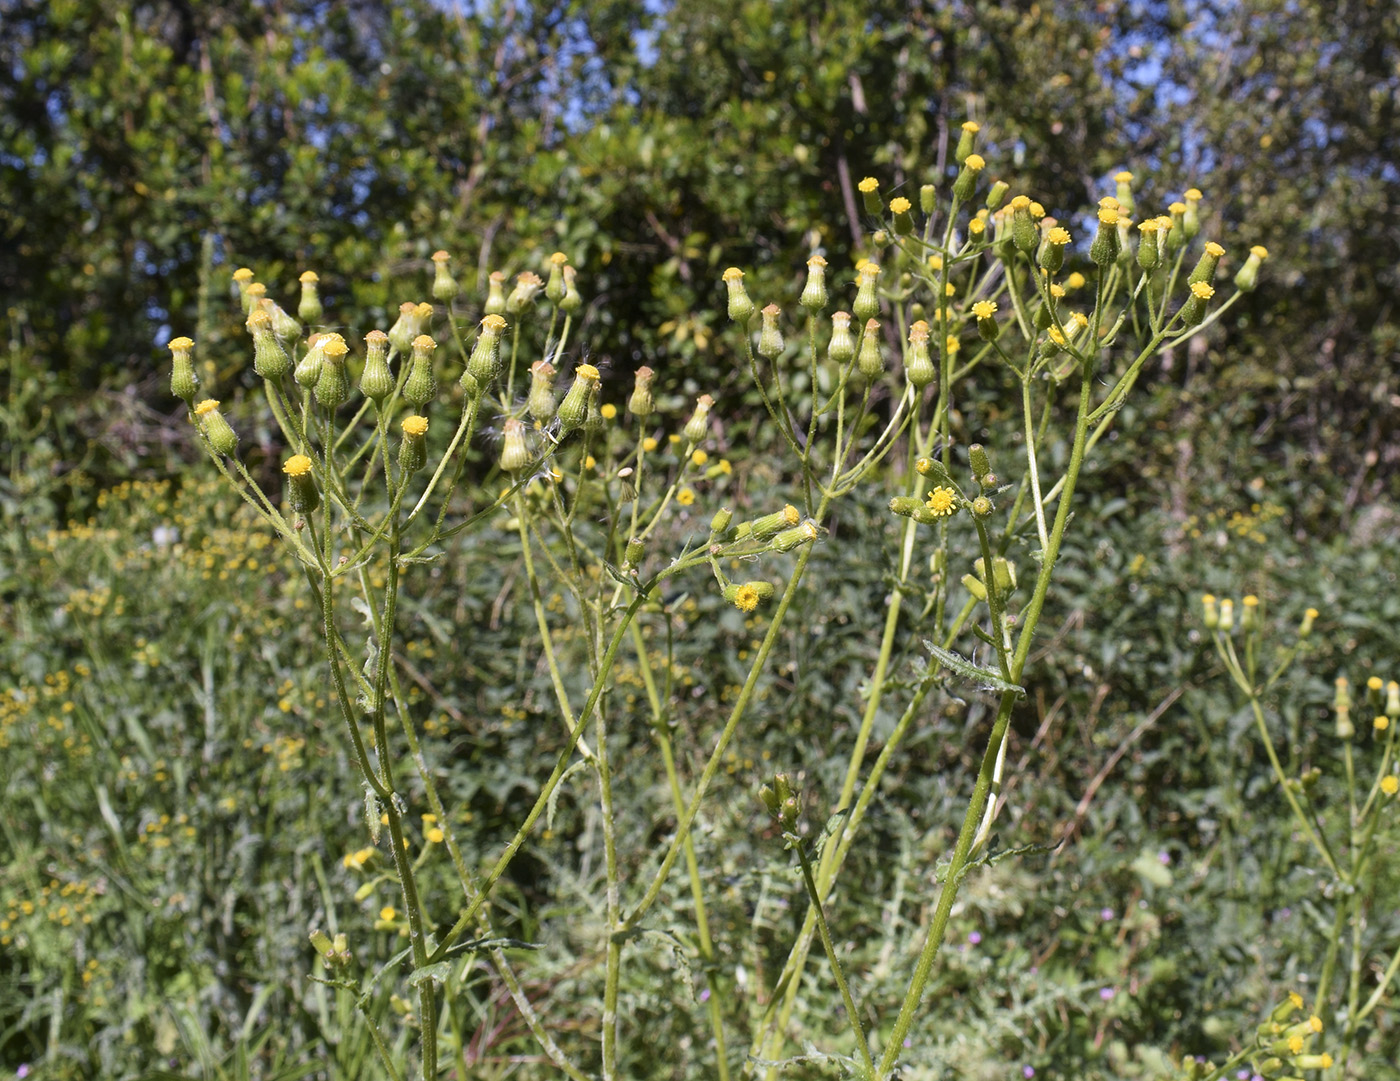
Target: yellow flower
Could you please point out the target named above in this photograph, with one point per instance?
(608, 411)
(1108, 215)
(1390, 784)
(900, 205)
(1381, 723)
(206, 407)
(298, 465)
(746, 597)
(699, 457)
(1212, 248)
(984, 309)
(971, 127)
(434, 835)
(648, 444)
(942, 502)
(354, 861)
(685, 497)
(1124, 177)
(387, 913)
(414, 425)
(951, 345)
(869, 184)
(1075, 281)
(975, 162)
(1202, 291)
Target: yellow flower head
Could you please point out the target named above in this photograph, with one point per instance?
(685, 497)
(1259, 251)
(298, 465)
(1108, 202)
(971, 127)
(1021, 202)
(1381, 723)
(869, 184)
(608, 411)
(494, 324)
(308, 277)
(1151, 225)
(559, 258)
(424, 344)
(1057, 335)
(1177, 208)
(977, 226)
(242, 274)
(587, 371)
(900, 205)
(942, 502)
(951, 345)
(1202, 291)
(181, 345)
(649, 444)
(1037, 211)
(1075, 281)
(984, 309)
(1124, 177)
(1057, 290)
(746, 597)
(387, 913)
(414, 426)
(975, 162)
(733, 274)
(1078, 320)
(204, 408)
(1058, 236)
(1212, 248)
(1193, 195)
(816, 261)
(1108, 215)
(1390, 784)
(1295, 1045)
(699, 457)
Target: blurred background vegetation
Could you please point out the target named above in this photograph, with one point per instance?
(149, 149)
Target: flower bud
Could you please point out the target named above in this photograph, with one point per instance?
(841, 349)
(741, 308)
(215, 428)
(495, 293)
(746, 596)
(770, 525)
(966, 183)
(903, 220)
(1313, 1062)
(789, 539)
(302, 494)
(1227, 615)
(407, 327)
(988, 329)
(1247, 277)
(967, 141)
(1392, 700)
(183, 382)
(997, 194)
(1194, 310)
(1191, 218)
(1124, 181)
(720, 522)
(554, 290)
(1211, 613)
(1176, 232)
(770, 338)
(484, 364)
(376, 381)
(333, 384)
(928, 199)
(1104, 250)
(814, 292)
(1341, 703)
(421, 386)
(413, 451)
(1249, 615)
(980, 461)
(870, 362)
(522, 297)
(867, 304)
(445, 287)
(698, 424)
(870, 196)
(1306, 626)
(309, 310)
(541, 403)
(514, 454)
(253, 293)
(308, 369)
(918, 364)
(573, 410)
(1024, 233)
(241, 278)
(641, 403)
(1149, 255)
(1052, 250)
(573, 300)
(1205, 267)
(270, 359)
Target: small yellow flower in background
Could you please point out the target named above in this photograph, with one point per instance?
(1381, 723)
(950, 290)
(673, 438)
(942, 501)
(984, 309)
(649, 444)
(725, 467)
(952, 345)
(387, 913)
(1390, 784)
(1075, 281)
(685, 497)
(1078, 320)
(935, 262)
(434, 836)
(699, 457)
(355, 861)
(608, 411)
(589, 461)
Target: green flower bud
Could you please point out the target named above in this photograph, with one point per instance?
(982, 507)
(967, 141)
(333, 385)
(741, 308)
(698, 425)
(1176, 234)
(1124, 180)
(215, 428)
(522, 297)
(484, 364)
(1341, 703)
(1191, 218)
(918, 364)
(555, 288)
(720, 522)
(928, 199)
(871, 362)
(641, 403)
(966, 183)
(1149, 254)
(376, 381)
(1024, 232)
(573, 410)
(495, 294)
(997, 194)
(867, 304)
(302, 495)
(183, 382)
(770, 338)
(309, 309)
(841, 349)
(421, 385)
(270, 359)
(979, 460)
(308, 369)
(254, 293)
(903, 220)
(413, 451)
(445, 287)
(1205, 267)
(242, 278)
(540, 403)
(572, 300)
(870, 196)
(283, 325)
(1247, 277)
(1211, 613)
(770, 525)
(635, 552)
(515, 456)
(1104, 250)
(789, 539)
(814, 296)
(407, 327)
